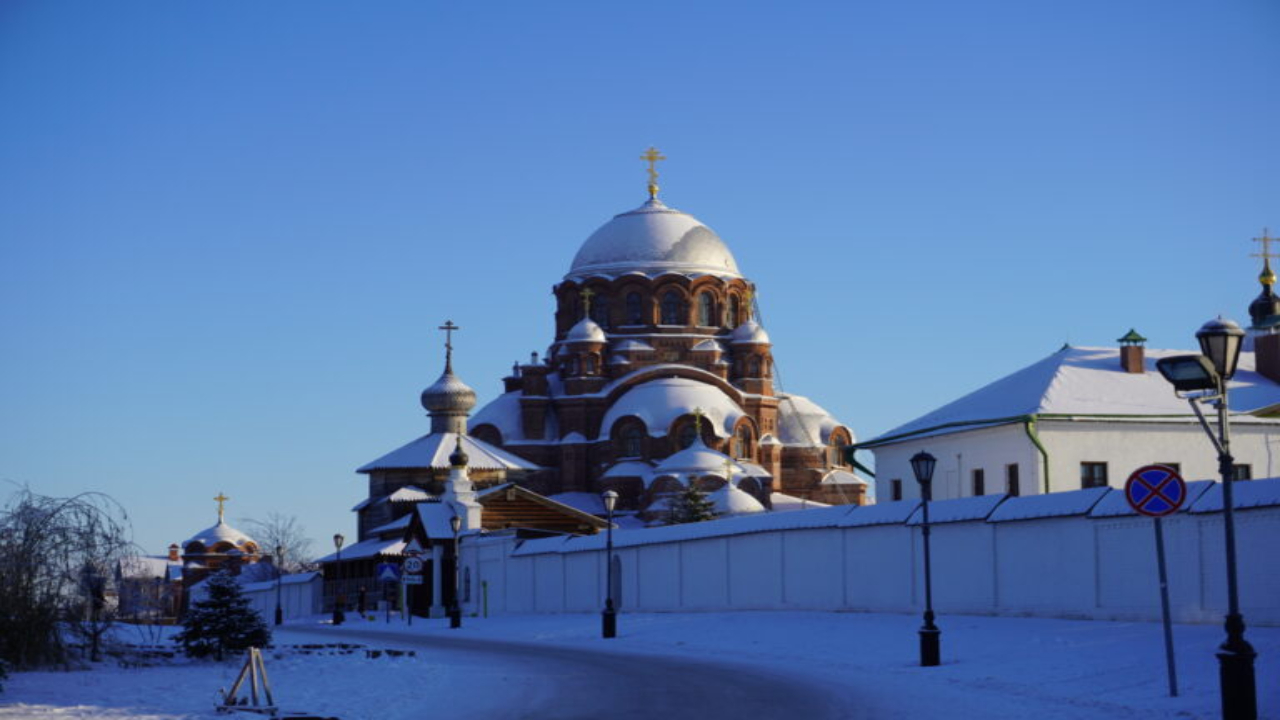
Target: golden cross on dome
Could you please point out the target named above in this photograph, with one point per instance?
(652, 156)
(728, 470)
(698, 414)
(587, 294)
(221, 499)
(749, 299)
(1267, 277)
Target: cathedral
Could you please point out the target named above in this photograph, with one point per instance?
(659, 374)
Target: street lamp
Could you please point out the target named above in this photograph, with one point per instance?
(455, 610)
(1201, 378)
(610, 617)
(279, 574)
(338, 615)
(922, 464)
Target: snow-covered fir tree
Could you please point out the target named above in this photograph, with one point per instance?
(690, 505)
(222, 622)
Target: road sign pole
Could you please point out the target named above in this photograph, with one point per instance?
(1164, 606)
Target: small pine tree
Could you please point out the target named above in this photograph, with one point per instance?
(223, 622)
(690, 505)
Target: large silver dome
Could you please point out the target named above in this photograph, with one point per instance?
(653, 239)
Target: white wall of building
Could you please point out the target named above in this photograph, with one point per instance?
(1123, 445)
(1074, 566)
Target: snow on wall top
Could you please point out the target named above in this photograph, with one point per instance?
(653, 239)
(433, 451)
(1087, 381)
(978, 507)
(889, 513)
(1114, 504)
(1060, 504)
(657, 403)
(1245, 494)
(366, 549)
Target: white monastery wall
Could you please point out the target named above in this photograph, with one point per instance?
(958, 454)
(1081, 555)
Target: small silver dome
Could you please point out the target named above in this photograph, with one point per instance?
(749, 333)
(448, 395)
(586, 331)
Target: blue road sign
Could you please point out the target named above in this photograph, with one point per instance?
(388, 572)
(1155, 490)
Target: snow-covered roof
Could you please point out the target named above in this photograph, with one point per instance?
(435, 519)
(399, 523)
(628, 468)
(730, 500)
(219, 533)
(586, 330)
(367, 549)
(584, 501)
(1245, 494)
(651, 240)
(801, 421)
(504, 413)
(697, 459)
(410, 493)
(1083, 381)
(147, 567)
(708, 345)
(658, 402)
(432, 451)
(889, 513)
(1059, 504)
(977, 507)
(842, 477)
(749, 333)
(294, 579)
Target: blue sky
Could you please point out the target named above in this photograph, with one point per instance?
(229, 230)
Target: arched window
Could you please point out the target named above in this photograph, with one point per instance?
(685, 436)
(592, 365)
(635, 313)
(753, 366)
(672, 308)
(631, 440)
(706, 310)
(600, 311)
(743, 442)
(733, 311)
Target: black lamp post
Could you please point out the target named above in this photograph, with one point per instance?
(610, 616)
(922, 464)
(1199, 378)
(279, 574)
(338, 615)
(455, 609)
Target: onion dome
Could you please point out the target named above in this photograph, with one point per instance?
(697, 459)
(1267, 305)
(586, 331)
(653, 239)
(448, 395)
(749, 333)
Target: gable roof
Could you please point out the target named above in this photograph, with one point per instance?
(432, 451)
(1082, 382)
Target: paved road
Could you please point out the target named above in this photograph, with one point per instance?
(573, 683)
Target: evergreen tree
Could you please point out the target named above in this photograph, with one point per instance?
(690, 505)
(222, 622)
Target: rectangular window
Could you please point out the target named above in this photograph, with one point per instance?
(1093, 474)
(1011, 480)
(895, 489)
(1177, 467)
(979, 482)
(1243, 472)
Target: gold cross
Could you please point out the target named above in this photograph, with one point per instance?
(728, 470)
(1266, 241)
(587, 294)
(749, 299)
(652, 156)
(697, 420)
(221, 499)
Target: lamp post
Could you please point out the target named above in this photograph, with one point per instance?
(455, 608)
(610, 616)
(338, 616)
(1200, 378)
(279, 574)
(922, 464)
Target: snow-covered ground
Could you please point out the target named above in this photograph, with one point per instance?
(992, 668)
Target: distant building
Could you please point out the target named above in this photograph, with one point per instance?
(1089, 416)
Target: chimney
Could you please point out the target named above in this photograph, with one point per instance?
(173, 553)
(1132, 354)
